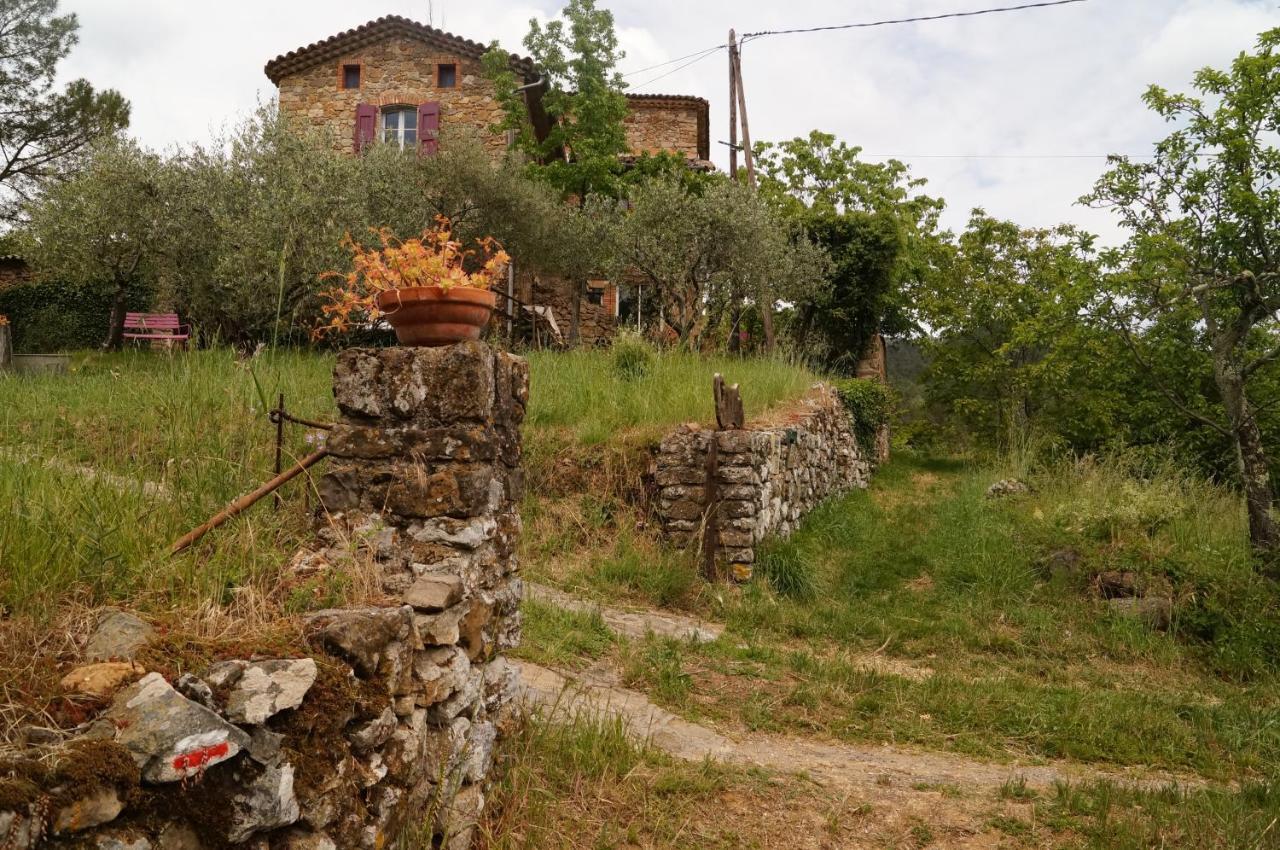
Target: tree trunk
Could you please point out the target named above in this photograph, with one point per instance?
(115, 330)
(575, 313)
(1251, 457)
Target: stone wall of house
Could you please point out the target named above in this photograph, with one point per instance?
(384, 718)
(769, 477)
(394, 72)
(13, 271)
(663, 125)
(597, 322)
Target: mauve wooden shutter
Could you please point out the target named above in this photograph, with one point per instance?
(428, 128)
(366, 125)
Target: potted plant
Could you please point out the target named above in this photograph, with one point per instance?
(430, 289)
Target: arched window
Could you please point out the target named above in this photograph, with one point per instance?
(400, 126)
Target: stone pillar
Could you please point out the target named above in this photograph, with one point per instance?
(425, 469)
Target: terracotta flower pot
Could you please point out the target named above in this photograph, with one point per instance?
(428, 316)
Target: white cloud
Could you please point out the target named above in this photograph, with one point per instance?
(1055, 81)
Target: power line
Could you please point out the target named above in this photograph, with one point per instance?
(673, 61)
(701, 56)
(1045, 4)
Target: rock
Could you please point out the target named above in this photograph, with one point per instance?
(101, 680)
(441, 629)
(1063, 564)
(1155, 611)
(224, 674)
(264, 747)
(433, 593)
(375, 733)
(463, 700)
(302, 839)
(439, 673)
(110, 842)
(178, 836)
(463, 812)
(363, 635)
(1116, 584)
(196, 690)
(119, 634)
(268, 687)
(170, 737)
(99, 806)
(478, 755)
(266, 803)
(1007, 487)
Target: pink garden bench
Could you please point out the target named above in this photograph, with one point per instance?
(156, 327)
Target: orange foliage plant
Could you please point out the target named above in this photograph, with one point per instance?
(435, 259)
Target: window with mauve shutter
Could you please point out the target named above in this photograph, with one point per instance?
(366, 125)
(428, 128)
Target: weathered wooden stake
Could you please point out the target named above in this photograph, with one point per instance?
(730, 415)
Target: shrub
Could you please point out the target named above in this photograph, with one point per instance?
(47, 317)
(869, 402)
(786, 569)
(631, 356)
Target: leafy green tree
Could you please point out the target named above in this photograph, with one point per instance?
(44, 131)
(1202, 263)
(578, 55)
(1009, 351)
(109, 227)
(879, 228)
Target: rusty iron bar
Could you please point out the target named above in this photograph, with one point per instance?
(279, 420)
(280, 413)
(247, 501)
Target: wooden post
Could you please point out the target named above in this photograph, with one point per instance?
(279, 446)
(6, 346)
(733, 105)
(765, 296)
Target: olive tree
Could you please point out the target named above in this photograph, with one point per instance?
(697, 247)
(109, 226)
(1203, 254)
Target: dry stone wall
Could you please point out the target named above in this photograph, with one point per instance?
(768, 478)
(385, 719)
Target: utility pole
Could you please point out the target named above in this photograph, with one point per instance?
(765, 296)
(733, 105)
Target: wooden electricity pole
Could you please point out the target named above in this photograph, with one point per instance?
(764, 297)
(733, 105)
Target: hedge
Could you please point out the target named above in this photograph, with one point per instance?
(48, 317)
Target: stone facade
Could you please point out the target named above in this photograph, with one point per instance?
(768, 478)
(673, 123)
(399, 65)
(386, 723)
(13, 270)
(597, 322)
(398, 71)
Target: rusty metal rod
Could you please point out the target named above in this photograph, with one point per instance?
(247, 501)
(276, 415)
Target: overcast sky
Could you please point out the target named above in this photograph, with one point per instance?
(1008, 112)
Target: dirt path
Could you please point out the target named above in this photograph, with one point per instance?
(836, 765)
(629, 623)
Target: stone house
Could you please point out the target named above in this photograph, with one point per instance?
(13, 269)
(396, 81)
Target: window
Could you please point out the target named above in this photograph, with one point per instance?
(400, 127)
(446, 76)
(351, 76)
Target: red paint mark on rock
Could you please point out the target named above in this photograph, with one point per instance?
(197, 759)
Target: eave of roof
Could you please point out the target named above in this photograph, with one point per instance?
(374, 31)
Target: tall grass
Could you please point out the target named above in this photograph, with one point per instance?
(587, 394)
(103, 467)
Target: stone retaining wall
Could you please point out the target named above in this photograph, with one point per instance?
(384, 720)
(769, 477)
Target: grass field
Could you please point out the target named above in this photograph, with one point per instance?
(83, 457)
(921, 612)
